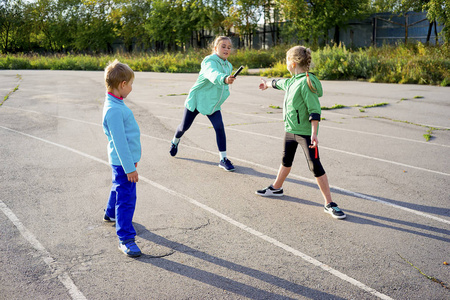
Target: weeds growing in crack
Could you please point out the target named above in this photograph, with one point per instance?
(444, 285)
(12, 91)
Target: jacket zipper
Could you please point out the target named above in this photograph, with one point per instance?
(223, 88)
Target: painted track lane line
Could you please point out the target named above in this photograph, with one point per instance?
(344, 191)
(224, 217)
(354, 194)
(63, 276)
(327, 148)
(279, 120)
(355, 131)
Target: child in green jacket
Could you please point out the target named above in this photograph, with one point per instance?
(207, 95)
(301, 112)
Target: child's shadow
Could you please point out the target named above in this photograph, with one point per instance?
(219, 281)
(363, 218)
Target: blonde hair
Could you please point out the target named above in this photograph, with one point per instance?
(115, 73)
(302, 57)
(217, 41)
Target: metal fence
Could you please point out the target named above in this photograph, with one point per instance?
(378, 29)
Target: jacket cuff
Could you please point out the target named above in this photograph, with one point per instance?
(274, 84)
(314, 117)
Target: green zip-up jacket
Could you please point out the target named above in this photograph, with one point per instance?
(301, 105)
(210, 90)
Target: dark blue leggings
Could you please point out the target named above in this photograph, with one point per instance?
(216, 121)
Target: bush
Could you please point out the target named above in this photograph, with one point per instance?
(393, 64)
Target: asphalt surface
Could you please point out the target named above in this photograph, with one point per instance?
(203, 231)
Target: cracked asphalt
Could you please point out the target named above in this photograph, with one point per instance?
(203, 232)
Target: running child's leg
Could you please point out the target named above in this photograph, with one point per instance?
(217, 122)
(324, 187)
(283, 173)
(290, 147)
(315, 166)
(186, 122)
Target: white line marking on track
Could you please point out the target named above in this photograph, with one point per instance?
(355, 194)
(330, 149)
(352, 130)
(348, 192)
(242, 226)
(63, 277)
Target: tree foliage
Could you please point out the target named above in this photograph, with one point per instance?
(96, 25)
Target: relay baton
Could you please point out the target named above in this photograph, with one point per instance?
(238, 71)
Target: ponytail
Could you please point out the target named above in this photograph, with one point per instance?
(302, 56)
(310, 85)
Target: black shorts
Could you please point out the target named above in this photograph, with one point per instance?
(291, 141)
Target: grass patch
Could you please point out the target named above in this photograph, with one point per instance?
(428, 136)
(274, 106)
(12, 91)
(443, 284)
(376, 105)
(418, 97)
(182, 94)
(336, 106)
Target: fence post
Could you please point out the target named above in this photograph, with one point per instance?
(374, 32)
(406, 29)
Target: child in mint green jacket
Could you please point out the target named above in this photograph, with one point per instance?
(206, 97)
(301, 112)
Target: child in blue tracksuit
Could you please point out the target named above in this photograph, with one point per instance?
(207, 95)
(124, 153)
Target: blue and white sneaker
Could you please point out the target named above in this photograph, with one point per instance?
(226, 165)
(129, 248)
(333, 209)
(173, 149)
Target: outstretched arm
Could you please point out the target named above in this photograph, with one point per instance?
(263, 85)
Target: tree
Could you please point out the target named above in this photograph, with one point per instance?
(95, 30)
(248, 13)
(439, 10)
(311, 20)
(12, 23)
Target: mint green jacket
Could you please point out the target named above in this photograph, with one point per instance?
(301, 105)
(210, 90)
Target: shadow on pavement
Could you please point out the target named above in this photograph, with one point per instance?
(219, 281)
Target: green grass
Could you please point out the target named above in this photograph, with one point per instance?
(336, 106)
(417, 63)
(376, 105)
